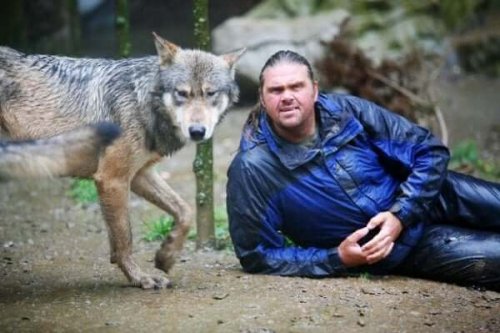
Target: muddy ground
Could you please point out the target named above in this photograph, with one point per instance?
(55, 274)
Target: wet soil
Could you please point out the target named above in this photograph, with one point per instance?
(55, 275)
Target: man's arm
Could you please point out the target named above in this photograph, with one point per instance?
(255, 223)
(414, 148)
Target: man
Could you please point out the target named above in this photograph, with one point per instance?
(356, 188)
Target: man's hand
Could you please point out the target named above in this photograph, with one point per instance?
(352, 254)
(381, 245)
(349, 250)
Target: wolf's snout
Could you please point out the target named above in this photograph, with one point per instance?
(197, 132)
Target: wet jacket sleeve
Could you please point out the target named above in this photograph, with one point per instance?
(414, 149)
(254, 224)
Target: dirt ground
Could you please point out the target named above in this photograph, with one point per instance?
(55, 276)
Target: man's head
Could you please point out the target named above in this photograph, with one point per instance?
(288, 92)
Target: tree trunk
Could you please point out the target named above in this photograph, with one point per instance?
(123, 28)
(203, 163)
(74, 27)
(13, 31)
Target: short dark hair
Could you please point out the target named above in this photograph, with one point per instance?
(285, 56)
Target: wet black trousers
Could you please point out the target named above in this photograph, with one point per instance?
(461, 244)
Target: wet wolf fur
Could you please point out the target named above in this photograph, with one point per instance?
(160, 102)
(55, 156)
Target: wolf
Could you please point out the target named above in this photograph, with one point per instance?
(160, 102)
(56, 156)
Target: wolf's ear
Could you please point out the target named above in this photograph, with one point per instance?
(232, 58)
(165, 49)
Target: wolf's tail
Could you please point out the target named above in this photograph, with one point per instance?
(55, 156)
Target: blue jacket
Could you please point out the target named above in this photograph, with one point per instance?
(367, 160)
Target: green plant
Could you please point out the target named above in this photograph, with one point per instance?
(222, 237)
(83, 191)
(157, 229)
(465, 157)
(454, 13)
(466, 152)
(221, 222)
(161, 227)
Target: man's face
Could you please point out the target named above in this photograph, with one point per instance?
(288, 94)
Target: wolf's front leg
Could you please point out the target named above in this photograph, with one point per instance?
(114, 195)
(149, 185)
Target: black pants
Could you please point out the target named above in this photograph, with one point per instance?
(462, 243)
(457, 255)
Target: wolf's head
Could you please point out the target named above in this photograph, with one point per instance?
(198, 87)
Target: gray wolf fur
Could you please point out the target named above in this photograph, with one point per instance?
(56, 156)
(159, 102)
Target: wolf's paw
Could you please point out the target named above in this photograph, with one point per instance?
(140, 279)
(154, 282)
(164, 260)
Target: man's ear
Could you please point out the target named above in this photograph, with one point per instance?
(166, 50)
(261, 100)
(316, 90)
(232, 57)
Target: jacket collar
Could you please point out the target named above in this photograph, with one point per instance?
(335, 127)
(291, 155)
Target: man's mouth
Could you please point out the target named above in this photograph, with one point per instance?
(288, 109)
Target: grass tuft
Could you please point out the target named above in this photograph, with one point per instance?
(83, 191)
(157, 229)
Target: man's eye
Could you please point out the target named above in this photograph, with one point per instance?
(181, 93)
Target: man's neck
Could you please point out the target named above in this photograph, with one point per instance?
(297, 136)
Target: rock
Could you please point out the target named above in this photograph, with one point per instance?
(264, 37)
(283, 8)
(393, 34)
(8, 244)
(220, 296)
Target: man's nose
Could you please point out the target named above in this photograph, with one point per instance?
(287, 96)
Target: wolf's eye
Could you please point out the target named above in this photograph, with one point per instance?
(211, 93)
(181, 93)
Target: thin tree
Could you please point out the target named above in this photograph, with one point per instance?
(74, 27)
(203, 162)
(123, 28)
(13, 31)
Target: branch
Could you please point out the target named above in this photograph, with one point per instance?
(415, 99)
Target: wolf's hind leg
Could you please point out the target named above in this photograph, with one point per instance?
(149, 185)
(114, 195)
